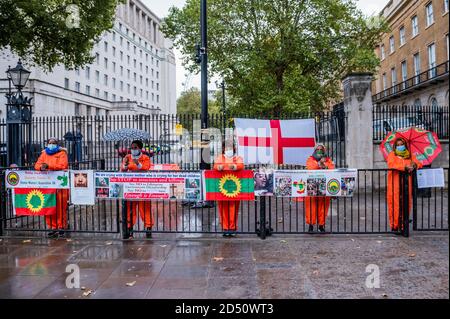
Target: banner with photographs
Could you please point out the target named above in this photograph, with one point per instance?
(149, 185)
(37, 179)
(302, 183)
(82, 188)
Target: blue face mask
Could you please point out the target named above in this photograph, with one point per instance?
(52, 147)
(401, 148)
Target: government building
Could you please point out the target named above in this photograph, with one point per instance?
(133, 73)
(414, 54)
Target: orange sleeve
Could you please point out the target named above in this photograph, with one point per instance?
(329, 163)
(59, 162)
(122, 166)
(145, 162)
(218, 161)
(39, 162)
(415, 160)
(311, 163)
(395, 162)
(239, 163)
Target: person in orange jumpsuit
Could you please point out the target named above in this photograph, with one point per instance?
(317, 207)
(137, 162)
(54, 158)
(401, 160)
(229, 209)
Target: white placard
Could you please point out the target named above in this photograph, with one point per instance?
(427, 178)
(82, 187)
(37, 179)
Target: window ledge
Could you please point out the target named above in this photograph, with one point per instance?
(415, 36)
(429, 26)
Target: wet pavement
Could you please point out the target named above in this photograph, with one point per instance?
(301, 266)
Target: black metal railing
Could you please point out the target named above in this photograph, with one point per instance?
(82, 136)
(367, 211)
(388, 118)
(433, 74)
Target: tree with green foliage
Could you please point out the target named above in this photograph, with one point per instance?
(190, 102)
(278, 56)
(50, 32)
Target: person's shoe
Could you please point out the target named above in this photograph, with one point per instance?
(148, 233)
(52, 234)
(62, 234)
(321, 228)
(232, 234)
(310, 229)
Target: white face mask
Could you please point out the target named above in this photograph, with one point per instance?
(135, 152)
(229, 153)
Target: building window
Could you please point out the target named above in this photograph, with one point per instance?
(384, 81)
(106, 46)
(105, 94)
(77, 108)
(97, 76)
(429, 12)
(404, 74)
(121, 85)
(128, 74)
(121, 56)
(134, 63)
(445, 6)
(77, 86)
(134, 76)
(128, 88)
(114, 97)
(114, 83)
(146, 82)
(114, 36)
(432, 59)
(88, 72)
(414, 26)
(66, 83)
(153, 97)
(106, 63)
(121, 70)
(114, 67)
(105, 80)
(97, 92)
(391, 44)
(88, 90)
(157, 86)
(417, 104)
(121, 99)
(446, 38)
(97, 58)
(402, 36)
(114, 51)
(393, 77)
(416, 59)
(157, 99)
(134, 91)
(141, 93)
(157, 75)
(121, 41)
(140, 79)
(383, 53)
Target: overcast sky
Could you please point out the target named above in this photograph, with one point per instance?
(161, 9)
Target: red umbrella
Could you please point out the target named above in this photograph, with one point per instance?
(423, 144)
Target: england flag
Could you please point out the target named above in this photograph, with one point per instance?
(275, 141)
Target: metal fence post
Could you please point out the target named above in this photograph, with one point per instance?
(262, 218)
(414, 191)
(405, 205)
(125, 232)
(3, 197)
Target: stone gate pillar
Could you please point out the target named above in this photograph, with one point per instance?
(358, 108)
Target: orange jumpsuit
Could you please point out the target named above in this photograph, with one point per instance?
(317, 207)
(229, 209)
(142, 206)
(56, 162)
(393, 188)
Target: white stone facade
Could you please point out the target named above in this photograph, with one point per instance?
(133, 73)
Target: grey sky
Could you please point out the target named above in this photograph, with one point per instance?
(161, 8)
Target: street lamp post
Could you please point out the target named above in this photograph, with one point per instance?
(203, 53)
(18, 114)
(224, 110)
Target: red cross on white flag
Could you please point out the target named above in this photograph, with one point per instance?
(275, 141)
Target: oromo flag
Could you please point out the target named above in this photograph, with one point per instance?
(34, 201)
(229, 185)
